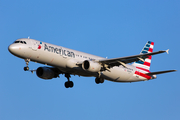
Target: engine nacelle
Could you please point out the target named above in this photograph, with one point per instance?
(45, 73)
(91, 66)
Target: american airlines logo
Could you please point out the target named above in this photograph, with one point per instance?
(59, 51)
(39, 46)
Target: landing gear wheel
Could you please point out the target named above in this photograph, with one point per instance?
(66, 84)
(99, 80)
(26, 68)
(69, 84)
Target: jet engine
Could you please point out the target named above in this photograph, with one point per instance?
(91, 66)
(45, 73)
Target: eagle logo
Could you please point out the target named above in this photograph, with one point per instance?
(39, 46)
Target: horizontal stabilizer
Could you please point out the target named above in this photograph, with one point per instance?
(128, 59)
(160, 72)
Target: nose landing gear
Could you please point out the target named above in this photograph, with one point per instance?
(27, 63)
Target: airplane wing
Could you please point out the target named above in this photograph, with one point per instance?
(129, 59)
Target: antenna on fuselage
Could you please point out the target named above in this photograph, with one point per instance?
(28, 37)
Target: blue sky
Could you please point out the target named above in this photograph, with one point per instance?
(105, 28)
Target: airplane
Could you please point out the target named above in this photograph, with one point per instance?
(61, 60)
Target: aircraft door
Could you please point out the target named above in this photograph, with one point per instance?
(34, 45)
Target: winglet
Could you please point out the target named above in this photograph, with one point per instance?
(167, 51)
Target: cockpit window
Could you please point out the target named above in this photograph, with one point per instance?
(16, 41)
(23, 42)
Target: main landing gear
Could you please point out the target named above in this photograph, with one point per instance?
(99, 80)
(27, 63)
(68, 84)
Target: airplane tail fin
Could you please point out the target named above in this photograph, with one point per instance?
(143, 66)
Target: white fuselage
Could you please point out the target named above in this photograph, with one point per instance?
(66, 60)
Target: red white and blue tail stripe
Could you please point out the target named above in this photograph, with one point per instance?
(144, 67)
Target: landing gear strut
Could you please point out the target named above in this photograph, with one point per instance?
(27, 63)
(68, 84)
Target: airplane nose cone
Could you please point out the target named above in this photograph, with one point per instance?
(13, 48)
